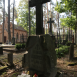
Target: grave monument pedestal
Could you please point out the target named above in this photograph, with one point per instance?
(41, 57)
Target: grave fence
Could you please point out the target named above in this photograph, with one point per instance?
(60, 38)
(22, 39)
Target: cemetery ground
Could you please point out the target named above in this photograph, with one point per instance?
(64, 66)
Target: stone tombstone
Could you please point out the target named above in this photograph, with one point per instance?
(71, 52)
(1, 50)
(10, 59)
(41, 57)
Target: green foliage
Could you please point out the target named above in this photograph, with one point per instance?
(62, 51)
(4, 74)
(23, 16)
(66, 5)
(19, 46)
(15, 74)
(68, 22)
(23, 45)
(60, 7)
(60, 45)
(68, 43)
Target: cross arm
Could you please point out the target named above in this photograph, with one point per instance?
(35, 2)
(50, 21)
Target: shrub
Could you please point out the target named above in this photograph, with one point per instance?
(68, 43)
(23, 45)
(60, 45)
(18, 46)
(61, 51)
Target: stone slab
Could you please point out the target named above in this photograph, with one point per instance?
(7, 46)
(41, 54)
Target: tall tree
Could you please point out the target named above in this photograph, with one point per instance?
(1, 11)
(9, 34)
(68, 6)
(65, 6)
(23, 17)
(3, 21)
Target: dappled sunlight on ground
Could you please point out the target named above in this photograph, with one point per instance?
(62, 65)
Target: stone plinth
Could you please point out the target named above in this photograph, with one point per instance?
(41, 57)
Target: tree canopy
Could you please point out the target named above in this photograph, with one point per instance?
(67, 6)
(69, 22)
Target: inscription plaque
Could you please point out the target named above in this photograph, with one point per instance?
(36, 58)
(41, 55)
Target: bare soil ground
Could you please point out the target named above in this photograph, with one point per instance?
(64, 67)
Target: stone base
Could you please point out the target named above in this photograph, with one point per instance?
(41, 58)
(52, 73)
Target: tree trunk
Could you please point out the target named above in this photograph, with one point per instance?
(47, 17)
(9, 33)
(3, 21)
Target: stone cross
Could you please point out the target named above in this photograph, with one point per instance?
(39, 14)
(50, 21)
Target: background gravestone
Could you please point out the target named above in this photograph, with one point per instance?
(41, 55)
(71, 52)
(1, 50)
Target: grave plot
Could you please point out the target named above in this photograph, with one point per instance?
(3, 63)
(7, 60)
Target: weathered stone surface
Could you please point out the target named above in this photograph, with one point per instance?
(41, 54)
(10, 59)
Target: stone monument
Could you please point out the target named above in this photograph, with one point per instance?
(41, 57)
